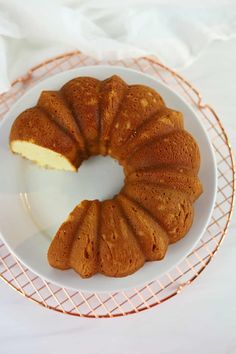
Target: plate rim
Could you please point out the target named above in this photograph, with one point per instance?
(124, 69)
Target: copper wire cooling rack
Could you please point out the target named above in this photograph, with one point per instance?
(122, 303)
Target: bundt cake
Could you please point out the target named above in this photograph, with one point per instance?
(132, 124)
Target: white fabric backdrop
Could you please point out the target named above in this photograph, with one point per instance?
(176, 32)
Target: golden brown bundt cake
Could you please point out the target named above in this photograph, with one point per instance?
(38, 138)
(160, 159)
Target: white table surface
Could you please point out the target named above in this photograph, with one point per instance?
(202, 319)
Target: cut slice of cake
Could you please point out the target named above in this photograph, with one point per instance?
(35, 136)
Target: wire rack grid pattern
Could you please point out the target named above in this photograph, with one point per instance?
(122, 303)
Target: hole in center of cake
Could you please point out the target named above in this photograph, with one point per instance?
(49, 196)
(101, 176)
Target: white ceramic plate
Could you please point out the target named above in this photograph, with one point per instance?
(34, 201)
